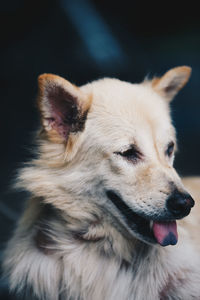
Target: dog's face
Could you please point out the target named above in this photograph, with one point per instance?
(119, 144)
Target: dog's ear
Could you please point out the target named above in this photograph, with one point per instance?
(63, 108)
(171, 82)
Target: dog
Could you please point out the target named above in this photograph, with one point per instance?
(105, 200)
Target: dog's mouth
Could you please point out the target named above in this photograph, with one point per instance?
(145, 228)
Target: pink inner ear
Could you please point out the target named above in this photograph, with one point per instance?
(64, 111)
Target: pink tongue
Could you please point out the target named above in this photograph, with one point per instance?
(165, 233)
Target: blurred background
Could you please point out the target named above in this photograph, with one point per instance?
(83, 40)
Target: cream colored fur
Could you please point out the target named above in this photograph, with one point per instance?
(82, 248)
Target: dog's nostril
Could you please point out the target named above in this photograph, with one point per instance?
(179, 204)
(189, 201)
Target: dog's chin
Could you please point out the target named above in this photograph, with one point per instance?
(147, 229)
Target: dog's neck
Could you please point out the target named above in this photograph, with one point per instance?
(96, 232)
(96, 244)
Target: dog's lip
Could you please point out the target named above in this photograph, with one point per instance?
(144, 225)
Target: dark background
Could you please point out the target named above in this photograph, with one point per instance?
(82, 41)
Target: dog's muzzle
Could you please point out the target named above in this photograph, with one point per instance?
(161, 229)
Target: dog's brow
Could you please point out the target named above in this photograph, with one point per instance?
(127, 146)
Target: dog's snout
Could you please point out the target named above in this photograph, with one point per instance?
(179, 204)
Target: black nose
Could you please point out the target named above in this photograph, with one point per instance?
(179, 204)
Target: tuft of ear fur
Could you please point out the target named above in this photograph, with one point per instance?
(171, 82)
(63, 108)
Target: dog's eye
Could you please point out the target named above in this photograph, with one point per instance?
(170, 149)
(132, 154)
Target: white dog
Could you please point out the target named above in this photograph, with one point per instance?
(105, 197)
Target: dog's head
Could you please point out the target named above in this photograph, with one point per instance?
(111, 144)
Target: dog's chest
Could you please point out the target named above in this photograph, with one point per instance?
(148, 275)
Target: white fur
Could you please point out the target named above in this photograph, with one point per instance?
(91, 253)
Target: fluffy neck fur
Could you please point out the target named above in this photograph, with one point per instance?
(61, 259)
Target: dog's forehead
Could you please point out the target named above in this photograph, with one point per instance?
(130, 109)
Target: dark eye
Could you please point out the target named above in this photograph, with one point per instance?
(132, 154)
(170, 149)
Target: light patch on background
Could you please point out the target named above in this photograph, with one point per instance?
(96, 35)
